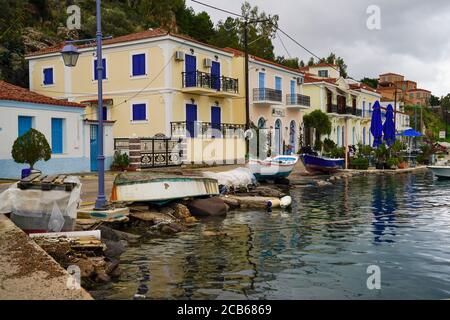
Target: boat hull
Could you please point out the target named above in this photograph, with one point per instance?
(442, 172)
(274, 168)
(162, 189)
(322, 164)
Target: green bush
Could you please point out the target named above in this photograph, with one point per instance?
(392, 162)
(328, 145)
(318, 145)
(360, 163)
(121, 161)
(30, 148)
(337, 153)
(381, 153)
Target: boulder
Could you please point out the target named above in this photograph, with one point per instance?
(151, 217)
(322, 183)
(232, 203)
(208, 207)
(180, 211)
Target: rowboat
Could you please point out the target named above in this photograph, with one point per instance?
(442, 172)
(272, 168)
(322, 164)
(160, 187)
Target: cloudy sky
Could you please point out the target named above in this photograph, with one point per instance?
(414, 38)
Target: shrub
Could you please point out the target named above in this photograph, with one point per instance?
(328, 145)
(121, 161)
(392, 162)
(360, 163)
(30, 148)
(318, 145)
(337, 153)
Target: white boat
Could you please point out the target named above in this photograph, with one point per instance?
(160, 187)
(441, 171)
(273, 168)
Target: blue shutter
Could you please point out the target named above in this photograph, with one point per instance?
(105, 113)
(216, 119)
(262, 80)
(104, 69)
(215, 75)
(190, 68)
(139, 64)
(48, 76)
(25, 124)
(57, 135)
(293, 97)
(191, 119)
(277, 83)
(139, 112)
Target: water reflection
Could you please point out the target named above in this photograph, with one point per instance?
(319, 249)
(384, 206)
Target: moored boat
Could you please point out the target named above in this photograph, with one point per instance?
(157, 187)
(442, 172)
(273, 168)
(322, 164)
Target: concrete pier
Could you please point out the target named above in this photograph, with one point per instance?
(27, 272)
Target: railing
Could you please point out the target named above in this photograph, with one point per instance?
(298, 99)
(332, 108)
(206, 80)
(198, 129)
(266, 94)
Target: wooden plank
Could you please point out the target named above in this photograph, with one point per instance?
(60, 179)
(50, 178)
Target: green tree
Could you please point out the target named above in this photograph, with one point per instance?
(30, 148)
(371, 82)
(338, 61)
(291, 62)
(319, 121)
(434, 101)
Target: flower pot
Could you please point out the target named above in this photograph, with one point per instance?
(403, 165)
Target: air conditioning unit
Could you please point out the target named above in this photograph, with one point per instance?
(179, 55)
(300, 80)
(207, 63)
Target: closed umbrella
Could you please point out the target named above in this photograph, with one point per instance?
(389, 126)
(376, 127)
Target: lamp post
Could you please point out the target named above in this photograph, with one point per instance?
(70, 57)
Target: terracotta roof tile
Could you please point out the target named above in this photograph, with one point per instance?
(9, 91)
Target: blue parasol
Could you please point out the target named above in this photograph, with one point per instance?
(376, 127)
(389, 126)
(410, 133)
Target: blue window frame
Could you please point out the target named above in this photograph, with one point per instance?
(139, 112)
(262, 80)
(25, 123)
(48, 76)
(278, 83)
(293, 97)
(139, 64)
(57, 135)
(104, 69)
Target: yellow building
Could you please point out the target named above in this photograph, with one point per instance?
(156, 84)
(347, 102)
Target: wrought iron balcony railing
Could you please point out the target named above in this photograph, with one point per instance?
(298, 99)
(199, 129)
(199, 79)
(266, 94)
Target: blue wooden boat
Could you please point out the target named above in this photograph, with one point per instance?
(322, 164)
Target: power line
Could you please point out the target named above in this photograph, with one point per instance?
(213, 7)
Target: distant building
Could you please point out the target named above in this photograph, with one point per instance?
(62, 122)
(393, 86)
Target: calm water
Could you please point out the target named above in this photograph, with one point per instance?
(319, 249)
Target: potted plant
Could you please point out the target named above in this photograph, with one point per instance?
(381, 154)
(360, 163)
(121, 161)
(30, 148)
(392, 163)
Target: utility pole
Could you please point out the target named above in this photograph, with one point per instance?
(247, 90)
(395, 108)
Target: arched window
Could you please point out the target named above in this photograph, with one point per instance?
(353, 136)
(261, 123)
(343, 136)
(338, 135)
(364, 136)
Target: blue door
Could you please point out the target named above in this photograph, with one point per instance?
(262, 85)
(93, 146)
(191, 119)
(216, 121)
(190, 69)
(57, 135)
(25, 124)
(215, 75)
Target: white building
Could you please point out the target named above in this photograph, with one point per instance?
(72, 138)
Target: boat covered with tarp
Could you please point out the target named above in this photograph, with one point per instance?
(160, 187)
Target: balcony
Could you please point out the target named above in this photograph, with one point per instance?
(344, 111)
(198, 82)
(266, 96)
(206, 130)
(298, 101)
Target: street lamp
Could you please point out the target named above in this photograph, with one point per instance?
(70, 57)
